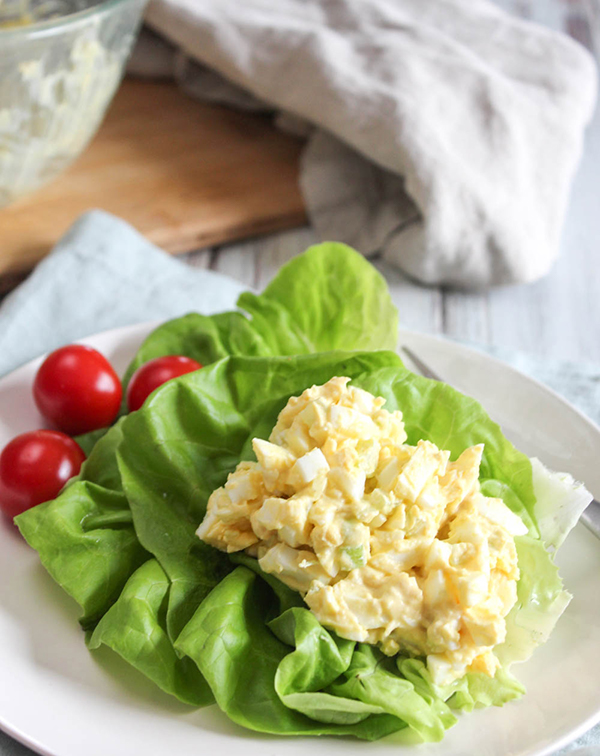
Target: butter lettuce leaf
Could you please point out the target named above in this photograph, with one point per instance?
(204, 338)
(327, 298)
(318, 659)
(373, 679)
(146, 645)
(86, 541)
(85, 537)
(190, 435)
(541, 599)
(437, 412)
(474, 690)
(181, 446)
(240, 657)
(560, 501)
(453, 421)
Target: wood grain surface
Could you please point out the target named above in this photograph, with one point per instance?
(184, 173)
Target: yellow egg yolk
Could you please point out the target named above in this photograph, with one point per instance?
(389, 543)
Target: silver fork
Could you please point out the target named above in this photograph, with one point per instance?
(590, 518)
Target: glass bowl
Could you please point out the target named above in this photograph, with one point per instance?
(59, 69)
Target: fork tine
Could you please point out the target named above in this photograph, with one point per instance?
(424, 369)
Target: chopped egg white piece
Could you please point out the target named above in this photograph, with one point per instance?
(389, 544)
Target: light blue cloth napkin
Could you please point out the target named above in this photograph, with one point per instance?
(103, 274)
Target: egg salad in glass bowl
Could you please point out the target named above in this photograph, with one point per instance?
(389, 544)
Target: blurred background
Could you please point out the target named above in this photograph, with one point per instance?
(218, 184)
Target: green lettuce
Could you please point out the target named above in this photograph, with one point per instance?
(182, 445)
(85, 537)
(328, 298)
(146, 645)
(240, 658)
(190, 435)
(439, 413)
(206, 627)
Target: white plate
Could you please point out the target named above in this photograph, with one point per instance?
(61, 700)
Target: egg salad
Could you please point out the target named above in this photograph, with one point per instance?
(388, 543)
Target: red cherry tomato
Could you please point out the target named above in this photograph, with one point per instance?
(77, 390)
(34, 467)
(153, 374)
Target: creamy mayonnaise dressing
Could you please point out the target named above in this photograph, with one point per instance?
(389, 543)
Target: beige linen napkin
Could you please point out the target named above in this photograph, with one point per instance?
(442, 134)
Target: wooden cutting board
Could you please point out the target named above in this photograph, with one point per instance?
(184, 173)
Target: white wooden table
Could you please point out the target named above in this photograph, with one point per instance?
(558, 317)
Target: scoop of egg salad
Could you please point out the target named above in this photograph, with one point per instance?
(389, 544)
